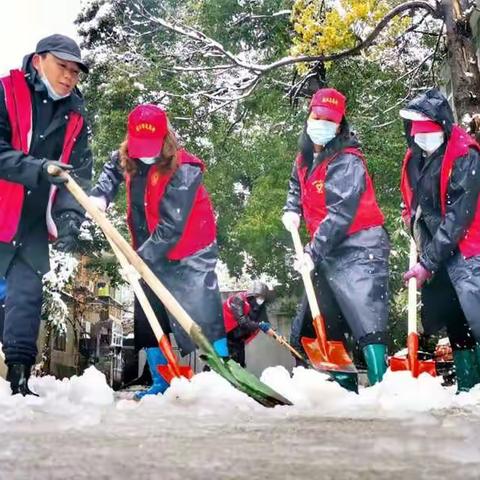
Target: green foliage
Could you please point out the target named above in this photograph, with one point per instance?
(249, 147)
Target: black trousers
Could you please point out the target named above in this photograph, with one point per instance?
(236, 350)
(440, 304)
(335, 323)
(143, 333)
(23, 305)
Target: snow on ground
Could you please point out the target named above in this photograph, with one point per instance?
(87, 400)
(79, 428)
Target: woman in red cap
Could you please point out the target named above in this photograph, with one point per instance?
(331, 189)
(440, 189)
(172, 225)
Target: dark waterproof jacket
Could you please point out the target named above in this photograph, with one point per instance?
(191, 280)
(49, 120)
(355, 265)
(243, 313)
(438, 236)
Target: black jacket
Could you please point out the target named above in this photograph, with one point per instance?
(438, 237)
(355, 266)
(247, 324)
(48, 130)
(191, 280)
(174, 208)
(344, 184)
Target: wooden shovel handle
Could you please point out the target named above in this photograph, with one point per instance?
(138, 290)
(140, 266)
(307, 279)
(283, 342)
(412, 291)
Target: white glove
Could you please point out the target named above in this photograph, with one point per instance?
(291, 221)
(304, 264)
(99, 202)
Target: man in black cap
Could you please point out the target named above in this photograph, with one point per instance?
(42, 123)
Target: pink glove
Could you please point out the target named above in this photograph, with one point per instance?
(419, 272)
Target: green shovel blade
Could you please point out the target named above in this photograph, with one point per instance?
(244, 381)
(236, 375)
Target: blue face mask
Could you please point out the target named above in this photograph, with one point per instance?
(321, 131)
(51, 92)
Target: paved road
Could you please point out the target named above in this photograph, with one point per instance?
(236, 443)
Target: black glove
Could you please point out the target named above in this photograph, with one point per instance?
(68, 230)
(54, 179)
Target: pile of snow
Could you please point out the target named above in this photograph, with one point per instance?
(87, 400)
(399, 395)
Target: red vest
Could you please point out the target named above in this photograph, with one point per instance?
(229, 318)
(18, 102)
(313, 197)
(457, 146)
(200, 229)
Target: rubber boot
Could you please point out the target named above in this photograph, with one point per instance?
(376, 357)
(155, 357)
(477, 357)
(18, 375)
(221, 347)
(466, 369)
(349, 381)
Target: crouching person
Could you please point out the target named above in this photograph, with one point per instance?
(245, 314)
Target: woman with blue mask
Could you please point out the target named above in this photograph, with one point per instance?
(330, 188)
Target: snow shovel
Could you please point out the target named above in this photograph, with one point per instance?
(285, 344)
(228, 369)
(411, 361)
(172, 369)
(329, 356)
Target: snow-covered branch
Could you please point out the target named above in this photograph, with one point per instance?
(248, 17)
(227, 73)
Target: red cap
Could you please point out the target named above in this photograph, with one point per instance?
(147, 128)
(329, 103)
(425, 126)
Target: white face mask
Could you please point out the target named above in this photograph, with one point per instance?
(148, 160)
(429, 142)
(321, 131)
(51, 92)
(260, 300)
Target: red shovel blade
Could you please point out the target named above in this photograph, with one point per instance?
(172, 368)
(411, 361)
(329, 356)
(168, 372)
(326, 354)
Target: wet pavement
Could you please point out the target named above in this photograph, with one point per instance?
(125, 441)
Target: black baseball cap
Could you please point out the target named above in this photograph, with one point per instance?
(62, 47)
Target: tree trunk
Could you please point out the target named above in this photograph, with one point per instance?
(461, 59)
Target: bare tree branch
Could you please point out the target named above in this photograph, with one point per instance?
(249, 17)
(249, 73)
(414, 5)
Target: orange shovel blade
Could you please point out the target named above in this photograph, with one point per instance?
(168, 372)
(398, 364)
(326, 354)
(331, 356)
(172, 368)
(411, 361)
